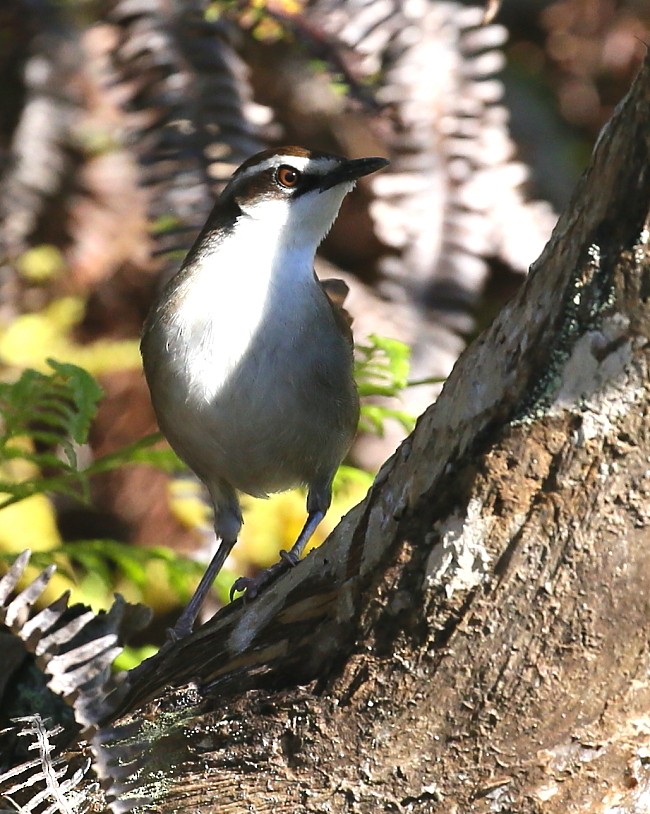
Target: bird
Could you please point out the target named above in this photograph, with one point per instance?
(248, 356)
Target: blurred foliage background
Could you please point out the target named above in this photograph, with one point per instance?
(122, 119)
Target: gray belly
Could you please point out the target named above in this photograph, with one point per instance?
(286, 415)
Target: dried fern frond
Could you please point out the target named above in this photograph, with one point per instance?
(39, 157)
(193, 116)
(74, 647)
(453, 195)
(47, 784)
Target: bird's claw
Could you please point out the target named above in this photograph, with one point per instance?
(178, 632)
(290, 558)
(253, 586)
(247, 585)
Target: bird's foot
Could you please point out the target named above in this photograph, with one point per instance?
(253, 586)
(249, 586)
(180, 631)
(290, 558)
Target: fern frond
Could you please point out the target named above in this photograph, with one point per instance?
(193, 116)
(40, 156)
(74, 647)
(452, 197)
(47, 784)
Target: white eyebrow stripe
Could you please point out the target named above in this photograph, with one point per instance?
(319, 165)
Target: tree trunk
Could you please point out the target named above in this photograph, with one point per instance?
(474, 635)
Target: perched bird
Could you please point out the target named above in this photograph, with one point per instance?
(248, 360)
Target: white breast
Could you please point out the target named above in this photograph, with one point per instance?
(244, 284)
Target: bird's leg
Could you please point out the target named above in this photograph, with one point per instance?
(185, 622)
(318, 502)
(288, 559)
(227, 525)
(292, 557)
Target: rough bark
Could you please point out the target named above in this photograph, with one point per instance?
(474, 636)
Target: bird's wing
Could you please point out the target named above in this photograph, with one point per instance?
(336, 291)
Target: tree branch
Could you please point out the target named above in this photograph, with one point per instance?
(475, 632)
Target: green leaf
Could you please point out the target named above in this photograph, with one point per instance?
(113, 559)
(373, 417)
(86, 394)
(57, 406)
(72, 486)
(351, 475)
(42, 420)
(382, 369)
(130, 657)
(139, 452)
(382, 366)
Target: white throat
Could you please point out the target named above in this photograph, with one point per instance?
(258, 270)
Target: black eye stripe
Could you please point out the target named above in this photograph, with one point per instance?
(265, 185)
(306, 184)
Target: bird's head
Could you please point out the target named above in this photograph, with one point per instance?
(296, 191)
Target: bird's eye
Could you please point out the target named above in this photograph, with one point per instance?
(287, 176)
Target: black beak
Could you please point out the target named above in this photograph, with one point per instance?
(351, 170)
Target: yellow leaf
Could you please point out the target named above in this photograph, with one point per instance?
(187, 503)
(40, 263)
(31, 523)
(32, 338)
